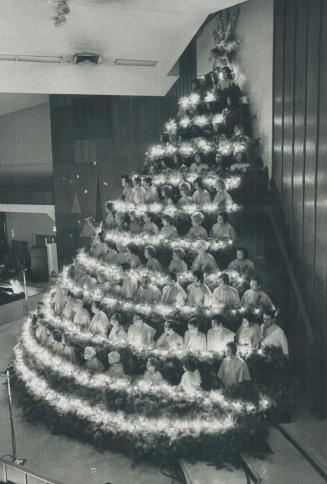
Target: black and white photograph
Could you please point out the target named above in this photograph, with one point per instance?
(163, 242)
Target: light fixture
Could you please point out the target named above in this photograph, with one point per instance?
(31, 58)
(136, 62)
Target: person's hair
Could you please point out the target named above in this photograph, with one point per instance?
(198, 218)
(126, 266)
(190, 364)
(40, 303)
(148, 180)
(172, 276)
(199, 182)
(256, 278)
(132, 248)
(109, 206)
(224, 277)
(228, 71)
(224, 216)
(112, 245)
(221, 183)
(185, 187)
(139, 315)
(168, 219)
(154, 362)
(150, 250)
(57, 335)
(102, 236)
(138, 180)
(170, 323)
(148, 215)
(244, 250)
(179, 252)
(118, 317)
(85, 305)
(96, 304)
(166, 191)
(199, 275)
(269, 312)
(218, 318)
(194, 322)
(127, 179)
(233, 346)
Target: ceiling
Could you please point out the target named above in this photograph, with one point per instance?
(133, 29)
(9, 103)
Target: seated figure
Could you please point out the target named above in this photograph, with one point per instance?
(168, 229)
(82, 316)
(152, 263)
(99, 323)
(191, 378)
(225, 295)
(194, 340)
(149, 226)
(129, 284)
(116, 368)
(59, 297)
(204, 261)
(201, 196)
(272, 334)
(233, 369)
(68, 311)
(177, 264)
(222, 230)
(197, 231)
(133, 258)
(255, 297)
(198, 293)
(218, 336)
(222, 198)
(152, 374)
(147, 292)
(170, 340)
(91, 361)
(140, 333)
(242, 264)
(151, 193)
(248, 334)
(117, 333)
(173, 293)
(185, 199)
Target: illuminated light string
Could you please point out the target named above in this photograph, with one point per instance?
(71, 329)
(60, 366)
(117, 421)
(158, 208)
(200, 120)
(126, 237)
(174, 178)
(114, 271)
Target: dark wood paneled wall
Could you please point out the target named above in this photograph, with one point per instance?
(299, 170)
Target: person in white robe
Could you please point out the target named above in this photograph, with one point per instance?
(222, 198)
(152, 263)
(148, 293)
(185, 199)
(204, 261)
(201, 196)
(138, 191)
(177, 264)
(168, 230)
(173, 293)
(233, 370)
(194, 340)
(151, 193)
(91, 361)
(68, 311)
(255, 297)
(272, 334)
(140, 333)
(242, 264)
(116, 368)
(170, 340)
(148, 226)
(99, 323)
(152, 374)
(82, 316)
(133, 258)
(218, 336)
(59, 297)
(224, 295)
(198, 293)
(117, 333)
(129, 282)
(222, 230)
(191, 378)
(248, 334)
(197, 231)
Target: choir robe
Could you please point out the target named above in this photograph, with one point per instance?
(111, 256)
(150, 228)
(195, 341)
(185, 200)
(247, 335)
(243, 267)
(198, 295)
(68, 311)
(134, 261)
(177, 265)
(129, 287)
(82, 318)
(197, 232)
(204, 263)
(223, 232)
(151, 195)
(233, 371)
(122, 258)
(217, 339)
(117, 334)
(222, 199)
(273, 335)
(140, 336)
(201, 197)
(59, 299)
(171, 341)
(148, 295)
(191, 380)
(138, 195)
(226, 296)
(153, 265)
(100, 249)
(128, 194)
(94, 364)
(153, 377)
(173, 294)
(169, 232)
(116, 370)
(257, 299)
(99, 324)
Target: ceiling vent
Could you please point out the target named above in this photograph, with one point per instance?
(136, 62)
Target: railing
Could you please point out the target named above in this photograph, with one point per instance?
(25, 474)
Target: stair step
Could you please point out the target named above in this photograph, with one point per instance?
(203, 473)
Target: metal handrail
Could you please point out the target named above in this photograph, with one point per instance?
(26, 473)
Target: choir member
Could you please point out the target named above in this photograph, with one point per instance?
(151, 192)
(112, 254)
(185, 199)
(147, 292)
(110, 221)
(148, 226)
(177, 264)
(248, 334)
(166, 195)
(222, 230)
(255, 297)
(204, 261)
(68, 311)
(168, 230)
(170, 340)
(138, 191)
(135, 223)
(100, 247)
(197, 231)
(82, 316)
(117, 333)
(233, 370)
(225, 295)
(133, 258)
(99, 323)
(91, 361)
(191, 378)
(242, 264)
(272, 335)
(222, 198)
(218, 336)
(173, 293)
(152, 374)
(140, 333)
(123, 255)
(59, 298)
(129, 283)
(198, 293)
(152, 263)
(116, 368)
(127, 186)
(201, 196)
(194, 340)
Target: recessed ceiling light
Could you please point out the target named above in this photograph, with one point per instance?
(31, 58)
(136, 62)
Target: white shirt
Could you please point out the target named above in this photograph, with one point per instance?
(191, 380)
(217, 339)
(140, 335)
(195, 341)
(233, 370)
(99, 324)
(274, 336)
